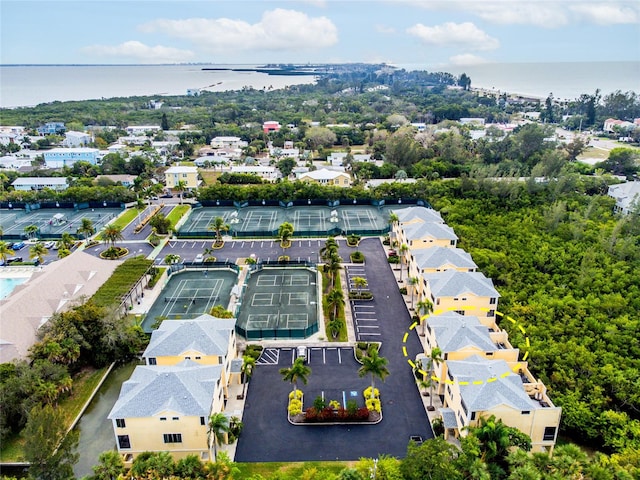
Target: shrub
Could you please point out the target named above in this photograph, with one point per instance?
(403, 290)
(254, 351)
(334, 404)
(353, 240)
(295, 394)
(357, 257)
(394, 259)
(373, 404)
(295, 407)
(355, 295)
(311, 414)
(362, 413)
(319, 403)
(367, 393)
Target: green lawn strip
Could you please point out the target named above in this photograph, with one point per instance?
(209, 177)
(176, 214)
(83, 385)
(123, 278)
(342, 336)
(122, 221)
(292, 470)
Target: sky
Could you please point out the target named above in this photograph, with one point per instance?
(400, 32)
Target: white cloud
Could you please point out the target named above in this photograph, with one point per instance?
(140, 52)
(609, 13)
(462, 35)
(278, 29)
(466, 59)
(384, 29)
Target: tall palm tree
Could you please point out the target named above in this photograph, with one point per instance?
(66, 240)
(31, 230)
(425, 307)
(219, 226)
(285, 232)
(297, 371)
(248, 365)
(434, 357)
(360, 283)
(38, 251)
(403, 252)
(413, 282)
(218, 427)
(393, 219)
(86, 228)
(5, 251)
(335, 299)
(333, 266)
(180, 187)
(374, 365)
(330, 248)
(171, 258)
(111, 234)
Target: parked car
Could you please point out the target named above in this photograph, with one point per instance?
(17, 246)
(49, 245)
(14, 260)
(166, 195)
(199, 258)
(301, 350)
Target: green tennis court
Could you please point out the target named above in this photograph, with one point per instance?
(189, 294)
(52, 223)
(279, 303)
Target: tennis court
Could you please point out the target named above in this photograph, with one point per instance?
(259, 219)
(52, 223)
(202, 219)
(279, 303)
(189, 294)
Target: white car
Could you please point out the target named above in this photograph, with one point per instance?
(49, 245)
(301, 351)
(199, 258)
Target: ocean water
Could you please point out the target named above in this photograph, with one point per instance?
(32, 85)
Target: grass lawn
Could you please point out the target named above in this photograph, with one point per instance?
(176, 214)
(209, 176)
(294, 469)
(83, 384)
(122, 221)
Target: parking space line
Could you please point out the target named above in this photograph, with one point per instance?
(369, 334)
(367, 326)
(366, 320)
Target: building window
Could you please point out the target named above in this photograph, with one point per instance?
(492, 301)
(172, 438)
(187, 358)
(549, 434)
(163, 419)
(123, 441)
(198, 358)
(526, 412)
(473, 415)
(152, 361)
(453, 242)
(202, 421)
(489, 354)
(175, 418)
(461, 312)
(491, 313)
(120, 423)
(455, 299)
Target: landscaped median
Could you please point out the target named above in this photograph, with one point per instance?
(332, 412)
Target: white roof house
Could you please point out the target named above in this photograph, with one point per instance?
(266, 172)
(76, 139)
(230, 142)
(627, 196)
(455, 284)
(442, 258)
(39, 183)
(418, 215)
(142, 129)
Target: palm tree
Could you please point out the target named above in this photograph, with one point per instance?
(333, 266)
(219, 226)
(297, 371)
(285, 232)
(413, 281)
(110, 466)
(248, 364)
(180, 187)
(86, 228)
(218, 427)
(403, 252)
(5, 252)
(360, 282)
(111, 234)
(425, 307)
(38, 251)
(330, 248)
(374, 365)
(334, 327)
(434, 357)
(66, 241)
(31, 230)
(393, 219)
(171, 258)
(209, 253)
(335, 299)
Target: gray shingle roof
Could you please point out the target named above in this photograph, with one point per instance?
(454, 284)
(437, 231)
(454, 332)
(206, 334)
(418, 213)
(437, 257)
(506, 389)
(448, 418)
(186, 389)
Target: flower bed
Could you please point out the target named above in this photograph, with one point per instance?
(333, 413)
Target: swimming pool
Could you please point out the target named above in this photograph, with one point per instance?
(8, 284)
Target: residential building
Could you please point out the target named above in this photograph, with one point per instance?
(265, 172)
(143, 129)
(409, 215)
(167, 408)
(279, 153)
(463, 292)
(76, 139)
(439, 259)
(271, 126)
(52, 128)
(337, 159)
(627, 197)
(611, 124)
(228, 142)
(326, 177)
(40, 183)
(479, 388)
(66, 157)
(473, 121)
(11, 162)
(461, 336)
(418, 235)
(124, 180)
(186, 174)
